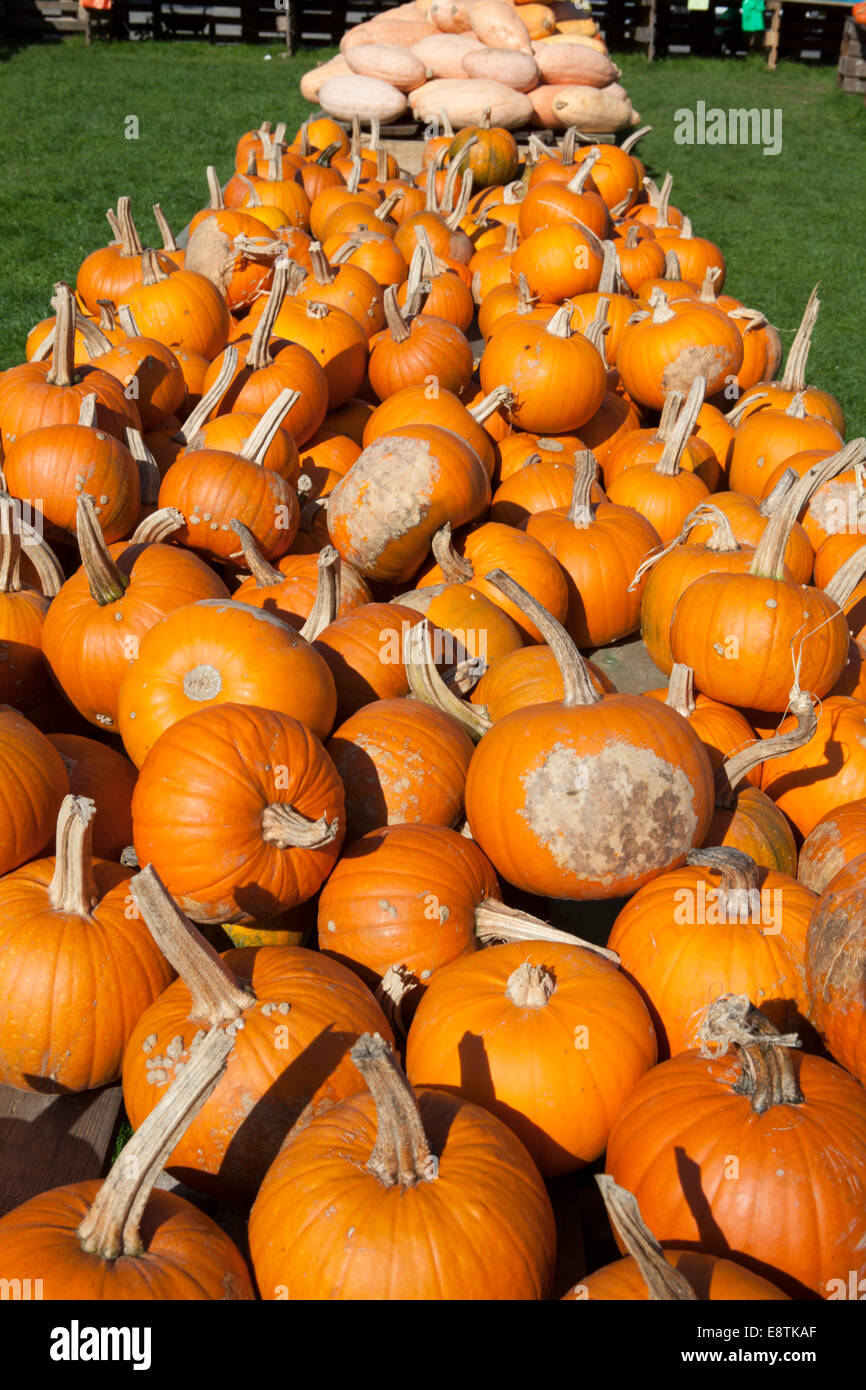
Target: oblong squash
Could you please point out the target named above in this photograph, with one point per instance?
(312, 81)
(512, 69)
(345, 97)
(402, 32)
(539, 20)
(541, 99)
(388, 63)
(499, 26)
(574, 63)
(451, 16)
(591, 109)
(464, 102)
(443, 54)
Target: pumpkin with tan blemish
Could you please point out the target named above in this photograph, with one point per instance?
(669, 348)
(836, 966)
(838, 837)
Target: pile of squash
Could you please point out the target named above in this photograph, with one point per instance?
(529, 64)
(301, 746)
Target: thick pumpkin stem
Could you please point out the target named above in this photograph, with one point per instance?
(106, 581)
(152, 273)
(672, 266)
(157, 527)
(734, 415)
(427, 685)
(73, 887)
(453, 220)
(169, 241)
(217, 996)
(397, 325)
(287, 828)
(434, 168)
(148, 470)
(401, 1154)
(767, 1076)
(841, 587)
(738, 894)
(327, 601)
(500, 398)
(495, 922)
(261, 569)
(664, 1283)
(127, 321)
(630, 141)
(428, 264)
(130, 241)
(584, 169)
(111, 1228)
(773, 500)
(577, 687)
(10, 546)
(681, 432)
(681, 690)
(598, 328)
(769, 558)
(581, 512)
(709, 292)
(560, 323)
(661, 309)
(456, 569)
(530, 986)
(446, 203)
(566, 149)
(258, 353)
(211, 398)
(63, 351)
(794, 377)
(722, 538)
(262, 436)
(111, 219)
(733, 770)
(322, 271)
(611, 272)
(632, 238)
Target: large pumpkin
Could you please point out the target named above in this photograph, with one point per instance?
(33, 783)
(557, 377)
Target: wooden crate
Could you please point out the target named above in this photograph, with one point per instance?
(851, 75)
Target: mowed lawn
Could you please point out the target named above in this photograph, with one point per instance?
(783, 222)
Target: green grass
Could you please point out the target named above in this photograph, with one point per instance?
(783, 222)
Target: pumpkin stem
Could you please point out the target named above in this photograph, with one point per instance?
(560, 323)
(10, 546)
(731, 772)
(794, 377)
(211, 398)
(322, 272)
(456, 569)
(796, 407)
(774, 499)
(262, 571)
(577, 687)
(111, 1227)
(262, 436)
(106, 582)
(395, 995)
(584, 169)
(598, 328)
(453, 220)
(672, 266)
(157, 527)
(721, 539)
(216, 203)
(258, 352)
(287, 828)
(664, 1282)
(401, 1154)
(662, 311)
(427, 685)
(709, 294)
(127, 322)
(428, 264)
(63, 351)
(610, 281)
(397, 325)
(73, 887)
(581, 512)
(501, 397)
(843, 583)
(767, 1076)
(152, 273)
(130, 241)
(37, 550)
(217, 996)
(632, 238)
(148, 470)
(495, 922)
(95, 340)
(738, 895)
(669, 462)
(630, 141)
(327, 601)
(566, 149)
(111, 218)
(431, 203)
(169, 241)
(769, 558)
(530, 986)
(681, 690)
(447, 203)
(388, 203)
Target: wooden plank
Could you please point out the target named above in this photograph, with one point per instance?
(47, 1141)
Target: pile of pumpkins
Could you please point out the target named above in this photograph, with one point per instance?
(300, 748)
(530, 64)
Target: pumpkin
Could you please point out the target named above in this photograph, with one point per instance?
(272, 1080)
(446, 292)
(490, 1028)
(241, 432)
(400, 761)
(722, 729)
(539, 484)
(103, 776)
(766, 440)
(33, 783)
(445, 1201)
(22, 615)
(642, 261)
(325, 459)
(559, 261)
(773, 1112)
(78, 971)
(346, 287)
(471, 629)
(290, 591)
(160, 389)
(493, 154)
(748, 520)
(557, 377)
(95, 626)
(836, 839)
(599, 546)
(528, 676)
(810, 782)
(718, 925)
(111, 271)
(649, 1272)
(779, 394)
(647, 446)
(669, 348)
(550, 787)
(335, 339)
(665, 492)
(123, 1239)
(184, 310)
(374, 518)
(416, 347)
(836, 966)
(217, 652)
(366, 654)
(416, 405)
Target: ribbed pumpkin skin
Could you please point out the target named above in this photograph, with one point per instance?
(29, 402)
(836, 966)
(667, 582)
(664, 501)
(722, 730)
(187, 1256)
(400, 761)
(681, 966)
(89, 648)
(271, 1077)
(404, 895)
(292, 599)
(529, 676)
(791, 1216)
(759, 828)
(198, 805)
(33, 783)
(484, 1229)
(245, 656)
(714, 1280)
(527, 1065)
(22, 670)
(654, 358)
(73, 987)
(364, 652)
(58, 463)
(549, 787)
(559, 382)
(185, 311)
(838, 837)
(106, 777)
(212, 487)
(766, 439)
(827, 772)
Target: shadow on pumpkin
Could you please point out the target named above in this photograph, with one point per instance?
(365, 801)
(833, 759)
